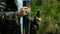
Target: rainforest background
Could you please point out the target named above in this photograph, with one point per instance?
(49, 13)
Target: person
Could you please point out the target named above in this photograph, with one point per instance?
(34, 24)
(24, 12)
(34, 28)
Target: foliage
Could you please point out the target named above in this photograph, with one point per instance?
(50, 13)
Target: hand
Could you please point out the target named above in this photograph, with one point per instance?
(24, 11)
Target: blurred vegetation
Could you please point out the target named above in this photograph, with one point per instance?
(50, 14)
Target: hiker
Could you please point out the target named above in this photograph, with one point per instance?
(34, 28)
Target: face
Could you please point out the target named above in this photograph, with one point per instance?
(25, 10)
(38, 21)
